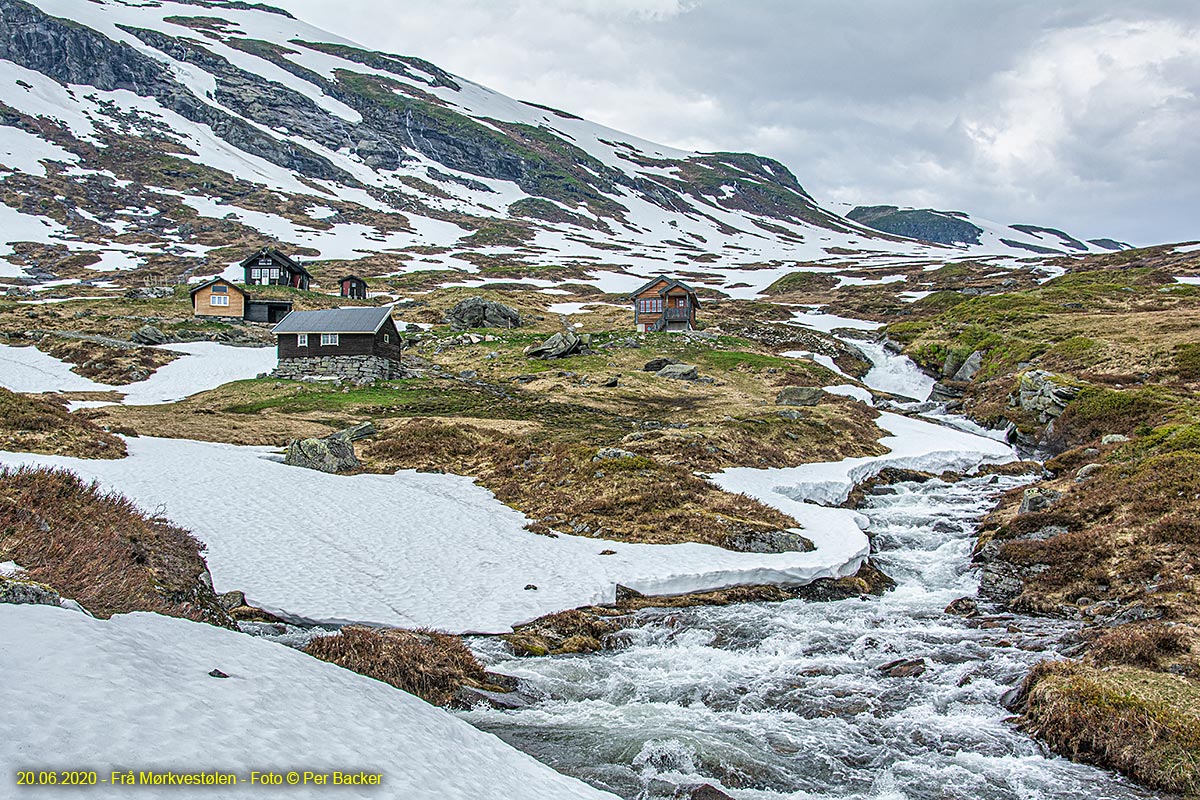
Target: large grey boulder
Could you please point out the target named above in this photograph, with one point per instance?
(331, 454)
(148, 334)
(969, 368)
(476, 312)
(559, 345)
(1039, 393)
(947, 392)
(19, 591)
(1038, 499)
(679, 372)
(150, 292)
(607, 453)
(800, 396)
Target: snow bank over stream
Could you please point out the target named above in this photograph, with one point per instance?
(418, 549)
(134, 692)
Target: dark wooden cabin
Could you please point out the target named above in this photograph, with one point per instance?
(664, 304)
(271, 267)
(353, 287)
(360, 331)
(221, 299)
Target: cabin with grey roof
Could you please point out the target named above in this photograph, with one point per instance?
(354, 344)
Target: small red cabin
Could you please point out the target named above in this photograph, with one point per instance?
(664, 304)
(353, 287)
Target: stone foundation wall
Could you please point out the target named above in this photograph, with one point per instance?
(355, 369)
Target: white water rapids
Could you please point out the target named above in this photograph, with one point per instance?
(787, 700)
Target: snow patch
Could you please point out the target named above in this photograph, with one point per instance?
(135, 690)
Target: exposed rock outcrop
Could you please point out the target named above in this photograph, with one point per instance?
(655, 364)
(19, 591)
(768, 542)
(478, 312)
(1037, 498)
(1039, 393)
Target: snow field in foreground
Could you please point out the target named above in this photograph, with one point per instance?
(134, 692)
(417, 549)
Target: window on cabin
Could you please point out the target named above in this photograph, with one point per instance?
(329, 339)
(220, 288)
(218, 300)
(387, 338)
(301, 340)
(651, 305)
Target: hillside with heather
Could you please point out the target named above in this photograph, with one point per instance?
(511, 455)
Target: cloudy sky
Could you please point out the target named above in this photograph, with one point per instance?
(1081, 114)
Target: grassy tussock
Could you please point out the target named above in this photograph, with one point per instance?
(98, 548)
(35, 425)
(426, 663)
(1139, 722)
(1149, 645)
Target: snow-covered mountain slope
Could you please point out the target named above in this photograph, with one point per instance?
(172, 137)
(960, 229)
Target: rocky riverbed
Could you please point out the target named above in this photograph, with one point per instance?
(884, 696)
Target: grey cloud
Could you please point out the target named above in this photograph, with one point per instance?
(984, 106)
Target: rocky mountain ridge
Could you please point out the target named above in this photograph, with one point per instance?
(960, 228)
(167, 138)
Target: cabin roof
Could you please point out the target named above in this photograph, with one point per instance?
(671, 284)
(352, 278)
(278, 257)
(335, 320)
(211, 281)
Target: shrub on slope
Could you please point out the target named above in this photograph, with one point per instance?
(98, 548)
(31, 424)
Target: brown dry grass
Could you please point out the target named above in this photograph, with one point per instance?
(30, 424)
(1150, 645)
(105, 363)
(429, 664)
(560, 487)
(1130, 536)
(98, 548)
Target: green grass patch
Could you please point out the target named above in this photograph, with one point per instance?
(1187, 361)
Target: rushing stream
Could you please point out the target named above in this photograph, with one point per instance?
(787, 700)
